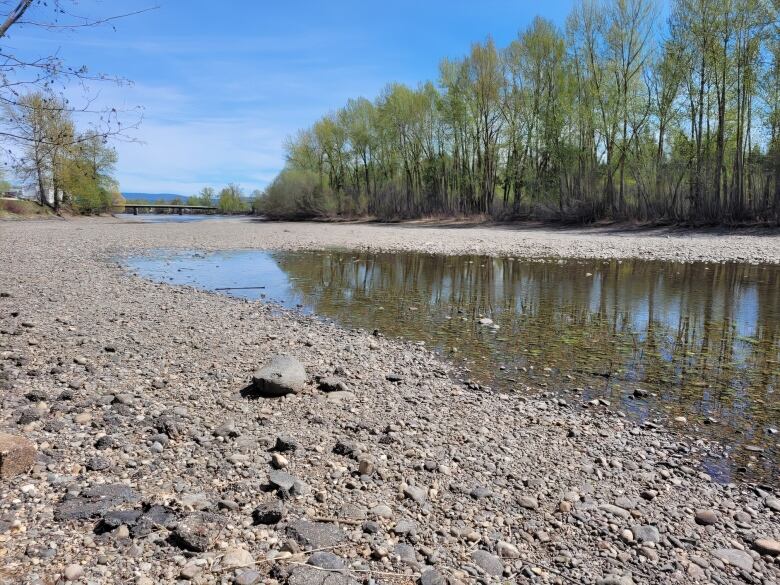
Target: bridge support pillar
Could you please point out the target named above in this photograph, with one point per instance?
(181, 210)
(135, 211)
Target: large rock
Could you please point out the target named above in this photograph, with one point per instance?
(268, 512)
(646, 534)
(286, 485)
(767, 546)
(311, 575)
(283, 375)
(315, 535)
(197, 531)
(17, 455)
(735, 557)
(432, 577)
(326, 560)
(332, 384)
(95, 501)
(237, 557)
(489, 563)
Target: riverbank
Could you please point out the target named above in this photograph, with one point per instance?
(132, 393)
(20, 209)
(754, 245)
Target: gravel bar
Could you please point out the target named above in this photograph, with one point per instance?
(159, 459)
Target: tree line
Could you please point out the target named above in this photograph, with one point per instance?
(66, 166)
(64, 162)
(616, 115)
(231, 199)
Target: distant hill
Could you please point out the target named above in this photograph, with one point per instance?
(159, 197)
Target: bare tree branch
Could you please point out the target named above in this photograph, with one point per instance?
(14, 16)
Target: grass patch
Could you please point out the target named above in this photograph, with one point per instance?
(18, 208)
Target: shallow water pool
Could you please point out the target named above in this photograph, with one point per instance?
(702, 339)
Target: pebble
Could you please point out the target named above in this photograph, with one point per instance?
(237, 557)
(735, 557)
(767, 546)
(706, 517)
(73, 572)
(488, 562)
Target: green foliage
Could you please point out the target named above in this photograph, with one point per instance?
(205, 198)
(295, 194)
(231, 200)
(610, 118)
(86, 176)
(65, 165)
(4, 185)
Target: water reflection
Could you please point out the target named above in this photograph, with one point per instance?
(702, 338)
(174, 217)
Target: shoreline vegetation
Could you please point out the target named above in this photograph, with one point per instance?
(616, 115)
(156, 459)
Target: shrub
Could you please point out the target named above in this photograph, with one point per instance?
(295, 194)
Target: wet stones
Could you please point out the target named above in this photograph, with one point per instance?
(17, 455)
(283, 375)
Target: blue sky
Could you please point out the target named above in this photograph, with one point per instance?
(222, 84)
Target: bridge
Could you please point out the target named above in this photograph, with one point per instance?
(177, 208)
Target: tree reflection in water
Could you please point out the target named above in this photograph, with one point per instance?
(701, 338)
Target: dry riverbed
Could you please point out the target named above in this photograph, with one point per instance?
(154, 465)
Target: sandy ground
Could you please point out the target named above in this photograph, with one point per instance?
(154, 466)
